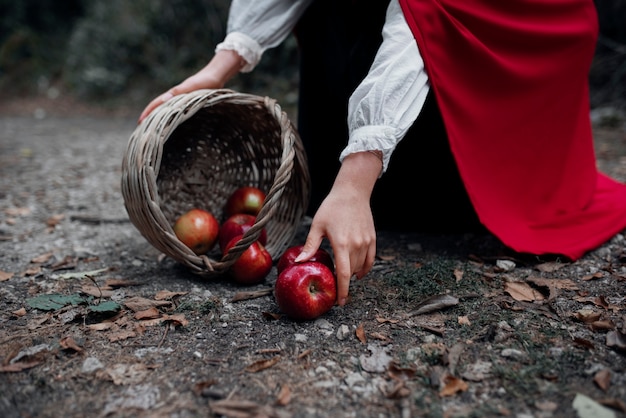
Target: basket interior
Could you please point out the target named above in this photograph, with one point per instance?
(216, 151)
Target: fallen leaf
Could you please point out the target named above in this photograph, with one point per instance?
(31, 271)
(96, 291)
(458, 275)
(149, 313)
(17, 211)
(597, 275)
(616, 339)
(464, 320)
(550, 266)
(137, 303)
(284, 396)
(360, 334)
(19, 366)
(434, 303)
(81, 274)
(233, 408)
(54, 220)
(259, 365)
(5, 275)
(452, 385)
(168, 295)
(603, 379)
(42, 258)
(68, 343)
(522, 291)
(386, 320)
(121, 335)
(20, 312)
(246, 295)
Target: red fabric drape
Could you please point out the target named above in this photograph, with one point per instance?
(511, 81)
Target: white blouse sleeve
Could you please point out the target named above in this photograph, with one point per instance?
(257, 25)
(387, 102)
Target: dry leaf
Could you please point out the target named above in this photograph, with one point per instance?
(246, 295)
(360, 334)
(603, 379)
(452, 385)
(42, 258)
(149, 313)
(379, 336)
(522, 291)
(233, 408)
(32, 271)
(386, 320)
(19, 366)
(616, 339)
(434, 303)
(284, 396)
(5, 275)
(96, 291)
(68, 343)
(102, 326)
(121, 335)
(54, 220)
(17, 211)
(20, 312)
(597, 275)
(549, 266)
(458, 274)
(138, 303)
(587, 315)
(168, 295)
(259, 365)
(464, 320)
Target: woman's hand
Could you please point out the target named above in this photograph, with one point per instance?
(345, 219)
(222, 67)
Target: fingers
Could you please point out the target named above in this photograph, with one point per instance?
(155, 103)
(311, 245)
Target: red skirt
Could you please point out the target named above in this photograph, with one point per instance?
(511, 82)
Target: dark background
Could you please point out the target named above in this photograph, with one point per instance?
(125, 52)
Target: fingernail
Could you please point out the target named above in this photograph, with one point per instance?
(342, 301)
(166, 96)
(300, 257)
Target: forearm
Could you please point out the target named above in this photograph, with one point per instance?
(357, 176)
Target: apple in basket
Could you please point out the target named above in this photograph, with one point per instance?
(289, 256)
(305, 291)
(253, 265)
(198, 229)
(238, 224)
(246, 199)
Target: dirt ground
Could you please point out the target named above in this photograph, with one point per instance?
(94, 322)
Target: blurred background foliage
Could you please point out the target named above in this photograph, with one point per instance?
(119, 51)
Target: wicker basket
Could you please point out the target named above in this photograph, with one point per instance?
(194, 151)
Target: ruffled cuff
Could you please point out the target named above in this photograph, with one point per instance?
(245, 46)
(367, 138)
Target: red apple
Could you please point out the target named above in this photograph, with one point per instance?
(198, 230)
(238, 224)
(290, 254)
(253, 265)
(306, 290)
(246, 199)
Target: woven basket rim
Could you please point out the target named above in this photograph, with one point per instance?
(142, 162)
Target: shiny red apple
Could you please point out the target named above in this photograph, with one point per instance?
(305, 291)
(246, 199)
(198, 229)
(253, 265)
(289, 256)
(238, 224)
